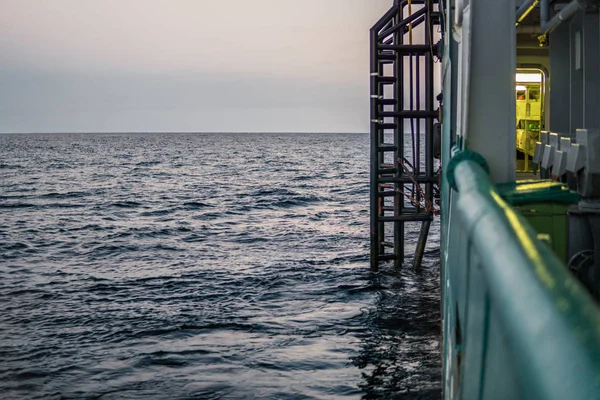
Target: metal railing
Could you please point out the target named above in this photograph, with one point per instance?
(517, 323)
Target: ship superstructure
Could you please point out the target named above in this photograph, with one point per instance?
(519, 145)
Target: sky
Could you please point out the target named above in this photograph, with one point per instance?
(185, 65)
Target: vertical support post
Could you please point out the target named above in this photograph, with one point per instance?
(560, 115)
(491, 76)
(418, 260)
(374, 201)
(417, 161)
(591, 70)
(399, 142)
(544, 12)
(429, 102)
(429, 132)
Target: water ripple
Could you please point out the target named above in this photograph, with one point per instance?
(213, 266)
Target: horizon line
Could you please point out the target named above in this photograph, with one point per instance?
(172, 132)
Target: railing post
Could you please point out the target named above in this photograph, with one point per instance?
(374, 201)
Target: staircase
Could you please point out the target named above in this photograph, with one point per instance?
(404, 47)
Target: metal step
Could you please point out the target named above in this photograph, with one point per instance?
(387, 147)
(410, 114)
(406, 179)
(387, 102)
(411, 49)
(389, 56)
(387, 257)
(387, 79)
(406, 217)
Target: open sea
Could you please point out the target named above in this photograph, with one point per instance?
(204, 266)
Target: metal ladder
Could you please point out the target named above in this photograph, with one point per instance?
(402, 163)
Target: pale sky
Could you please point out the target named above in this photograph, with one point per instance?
(185, 65)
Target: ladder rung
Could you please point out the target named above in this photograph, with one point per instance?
(384, 257)
(419, 49)
(387, 193)
(408, 210)
(387, 147)
(386, 79)
(387, 126)
(387, 57)
(387, 208)
(406, 217)
(410, 114)
(406, 179)
(387, 102)
(387, 244)
(386, 185)
(386, 171)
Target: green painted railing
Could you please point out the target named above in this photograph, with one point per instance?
(518, 324)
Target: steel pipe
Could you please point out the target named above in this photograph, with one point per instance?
(525, 9)
(374, 165)
(385, 18)
(403, 23)
(399, 140)
(564, 14)
(544, 12)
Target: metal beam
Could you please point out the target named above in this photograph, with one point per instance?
(525, 9)
(374, 203)
(544, 12)
(487, 125)
(564, 14)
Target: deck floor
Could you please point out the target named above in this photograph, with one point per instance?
(527, 175)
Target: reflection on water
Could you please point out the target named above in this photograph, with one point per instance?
(400, 353)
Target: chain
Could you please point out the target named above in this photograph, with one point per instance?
(424, 203)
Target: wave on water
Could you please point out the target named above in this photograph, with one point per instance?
(212, 266)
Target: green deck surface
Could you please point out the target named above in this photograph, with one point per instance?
(544, 204)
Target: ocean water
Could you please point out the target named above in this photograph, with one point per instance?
(204, 266)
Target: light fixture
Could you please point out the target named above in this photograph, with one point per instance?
(529, 77)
